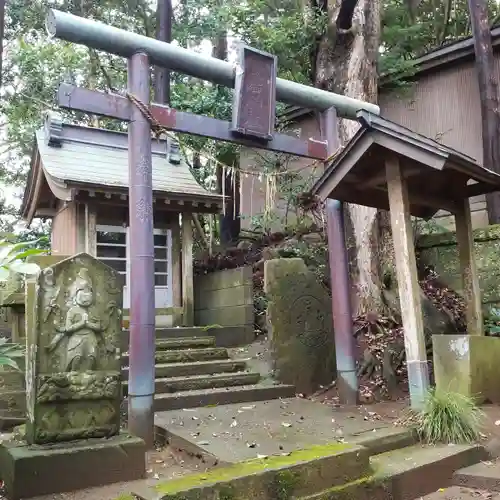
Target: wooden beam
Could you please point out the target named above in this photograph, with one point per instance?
(176, 270)
(470, 279)
(380, 177)
(187, 271)
(409, 288)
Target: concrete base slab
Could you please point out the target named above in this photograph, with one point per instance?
(237, 432)
(29, 471)
(483, 476)
(468, 364)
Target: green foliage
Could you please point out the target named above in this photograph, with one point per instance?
(12, 256)
(448, 417)
(492, 322)
(422, 227)
(34, 65)
(284, 484)
(9, 353)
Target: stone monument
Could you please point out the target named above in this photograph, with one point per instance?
(300, 324)
(73, 386)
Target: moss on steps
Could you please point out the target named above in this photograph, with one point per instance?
(273, 478)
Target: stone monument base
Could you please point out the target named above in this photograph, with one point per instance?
(32, 470)
(469, 365)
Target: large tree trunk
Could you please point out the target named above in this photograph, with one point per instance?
(346, 64)
(488, 95)
(163, 33)
(2, 31)
(227, 182)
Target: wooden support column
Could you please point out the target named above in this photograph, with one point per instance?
(176, 271)
(187, 271)
(468, 268)
(91, 227)
(409, 288)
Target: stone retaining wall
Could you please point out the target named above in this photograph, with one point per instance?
(225, 298)
(440, 252)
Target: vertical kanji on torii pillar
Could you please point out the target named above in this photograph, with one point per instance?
(141, 386)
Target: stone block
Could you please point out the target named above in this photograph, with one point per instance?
(469, 365)
(29, 471)
(301, 325)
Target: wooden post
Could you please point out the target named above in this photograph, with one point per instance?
(187, 271)
(472, 292)
(176, 271)
(91, 230)
(409, 288)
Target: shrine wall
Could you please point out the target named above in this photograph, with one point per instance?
(64, 229)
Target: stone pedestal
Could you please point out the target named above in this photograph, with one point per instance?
(33, 470)
(469, 365)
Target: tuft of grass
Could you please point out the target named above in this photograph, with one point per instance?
(447, 417)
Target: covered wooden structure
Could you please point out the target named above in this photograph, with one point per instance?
(79, 178)
(389, 167)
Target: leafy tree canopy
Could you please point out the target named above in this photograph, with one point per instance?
(34, 64)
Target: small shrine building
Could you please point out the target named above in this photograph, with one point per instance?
(79, 179)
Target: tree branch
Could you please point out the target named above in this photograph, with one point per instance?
(102, 69)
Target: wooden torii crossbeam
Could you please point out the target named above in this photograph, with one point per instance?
(257, 89)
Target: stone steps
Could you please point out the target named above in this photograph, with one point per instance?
(165, 370)
(200, 382)
(481, 476)
(329, 472)
(418, 470)
(186, 355)
(222, 396)
(184, 343)
(271, 478)
(332, 472)
(192, 372)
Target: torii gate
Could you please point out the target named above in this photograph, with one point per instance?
(256, 90)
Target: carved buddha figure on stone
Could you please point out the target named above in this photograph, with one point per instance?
(80, 327)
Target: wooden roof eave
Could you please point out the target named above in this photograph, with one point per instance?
(33, 187)
(406, 148)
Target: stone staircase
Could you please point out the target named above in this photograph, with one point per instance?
(191, 371)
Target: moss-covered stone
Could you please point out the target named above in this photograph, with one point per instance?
(275, 478)
(301, 325)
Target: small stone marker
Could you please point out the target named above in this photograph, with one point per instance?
(73, 385)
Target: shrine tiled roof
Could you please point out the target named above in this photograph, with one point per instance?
(78, 157)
